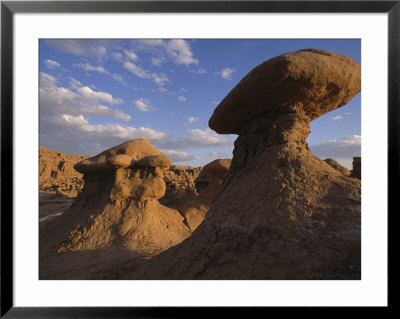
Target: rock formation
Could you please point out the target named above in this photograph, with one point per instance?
(208, 184)
(336, 165)
(56, 172)
(356, 171)
(118, 205)
(281, 212)
(180, 185)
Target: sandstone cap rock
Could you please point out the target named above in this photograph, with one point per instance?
(110, 159)
(319, 80)
(218, 166)
(161, 161)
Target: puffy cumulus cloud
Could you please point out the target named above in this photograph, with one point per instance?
(180, 52)
(143, 105)
(342, 149)
(75, 135)
(177, 156)
(65, 113)
(51, 64)
(192, 119)
(181, 98)
(226, 73)
(77, 100)
(80, 47)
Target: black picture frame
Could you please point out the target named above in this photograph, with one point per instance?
(9, 8)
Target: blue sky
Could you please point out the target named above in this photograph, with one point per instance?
(95, 94)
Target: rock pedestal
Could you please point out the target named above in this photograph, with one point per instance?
(281, 212)
(119, 205)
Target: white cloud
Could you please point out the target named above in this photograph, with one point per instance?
(89, 67)
(51, 64)
(201, 71)
(202, 138)
(181, 98)
(157, 61)
(226, 73)
(180, 52)
(219, 154)
(143, 105)
(192, 119)
(137, 70)
(344, 148)
(117, 56)
(177, 156)
(77, 100)
(79, 47)
(338, 117)
(160, 79)
(348, 113)
(131, 55)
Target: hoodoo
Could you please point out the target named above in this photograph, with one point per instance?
(281, 212)
(118, 205)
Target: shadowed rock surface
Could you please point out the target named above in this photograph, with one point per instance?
(207, 185)
(281, 212)
(117, 207)
(356, 172)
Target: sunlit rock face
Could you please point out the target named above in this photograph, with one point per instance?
(119, 205)
(281, 212)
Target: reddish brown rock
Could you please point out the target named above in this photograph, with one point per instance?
(317, 80)
(281, 212)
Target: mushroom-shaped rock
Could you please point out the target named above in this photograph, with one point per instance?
(336, 165)
(218, 166)
(120, 161)
(161, 161)
(279, 205)
(320, 81)
(135, 149)
(118, 206)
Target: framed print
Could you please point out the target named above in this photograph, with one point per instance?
(166, 157)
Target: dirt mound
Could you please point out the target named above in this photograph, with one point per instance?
(56, 172)
(118, 206)
(281, 212)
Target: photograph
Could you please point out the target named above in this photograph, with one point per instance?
(199, 159)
